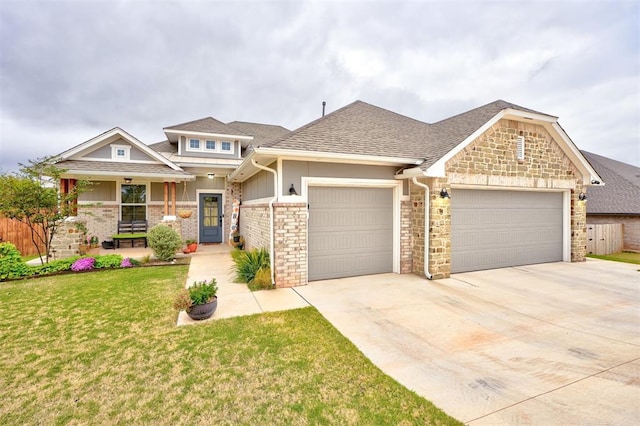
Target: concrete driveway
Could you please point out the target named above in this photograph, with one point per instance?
(546, 344)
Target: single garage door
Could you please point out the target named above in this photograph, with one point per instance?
(498, 229)
(350, 232)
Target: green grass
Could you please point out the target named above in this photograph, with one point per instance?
(102, 348)
(625, 256)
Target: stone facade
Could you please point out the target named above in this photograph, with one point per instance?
(630, 228)
(101, 220)
(490, 161)
(67, 239)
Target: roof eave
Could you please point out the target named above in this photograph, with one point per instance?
(94, 174)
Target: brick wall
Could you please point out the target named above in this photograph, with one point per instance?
(101, 220)
(254, 225)
(406, 238)
(290, 244)
(630, 228)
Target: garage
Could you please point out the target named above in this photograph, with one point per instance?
(497, 229)
(350, 231)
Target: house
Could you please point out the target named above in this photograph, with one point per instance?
(619, 200)
(345, 194)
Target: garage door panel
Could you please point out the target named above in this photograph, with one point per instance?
(495, 229)
(350, 231)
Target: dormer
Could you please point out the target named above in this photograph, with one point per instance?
(207, 138)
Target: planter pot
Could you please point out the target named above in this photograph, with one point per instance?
(185, 214)
(236, 238)
(192, 247)
(202, 312)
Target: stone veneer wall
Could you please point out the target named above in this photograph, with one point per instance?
(290, 245)
(67, 239)
(630, 228)
(101, 219)
(491, 161)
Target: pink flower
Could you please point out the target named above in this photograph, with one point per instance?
(126, 263)
(83, 264)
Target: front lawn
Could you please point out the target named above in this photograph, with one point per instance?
(625, 256)
(102, 348)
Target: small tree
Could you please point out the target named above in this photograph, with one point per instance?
(31, 196)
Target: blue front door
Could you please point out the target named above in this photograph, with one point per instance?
(210, 215)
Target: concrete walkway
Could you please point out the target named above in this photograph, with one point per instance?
(234, 299)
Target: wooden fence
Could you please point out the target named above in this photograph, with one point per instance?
(18, 234)
(604, 238)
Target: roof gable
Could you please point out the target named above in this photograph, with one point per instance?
(82, 152)
(621, 195)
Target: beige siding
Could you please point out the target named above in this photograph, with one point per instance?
(101, 190)
(293, 171)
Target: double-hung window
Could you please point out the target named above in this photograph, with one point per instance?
(226, 146)
(133, 202)
(194, 145)
(210, 145)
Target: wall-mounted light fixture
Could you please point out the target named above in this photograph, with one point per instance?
(582, 196)
(444, 193)
(595, 182)
(292, 190)
(211, 175)
(127, 180)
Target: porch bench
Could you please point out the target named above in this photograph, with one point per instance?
(131, 230)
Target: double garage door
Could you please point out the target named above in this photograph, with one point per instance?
(497, 229)
(350, 231)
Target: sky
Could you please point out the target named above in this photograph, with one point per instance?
(71, 70)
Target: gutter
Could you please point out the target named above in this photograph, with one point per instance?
(275, 197)
(427, 202)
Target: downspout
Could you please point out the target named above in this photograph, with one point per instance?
(271, 201)
(427, 201)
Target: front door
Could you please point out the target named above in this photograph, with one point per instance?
(210, 215)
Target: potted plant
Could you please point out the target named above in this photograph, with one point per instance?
(94, 241)
(199, 300)
(192, 246)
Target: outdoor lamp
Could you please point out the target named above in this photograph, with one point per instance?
(444, 193)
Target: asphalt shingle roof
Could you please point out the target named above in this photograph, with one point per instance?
(621, 192)
(261, 132)
(164, 146)
(207, 125)
(111, 166)
(361, 128)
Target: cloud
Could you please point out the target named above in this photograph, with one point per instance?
(71, 70)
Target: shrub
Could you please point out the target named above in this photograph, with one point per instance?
(83, 264)
(262, 280)
(108, 261)
(54, 266)
(164, 242)
(248, 263)
(11, 263)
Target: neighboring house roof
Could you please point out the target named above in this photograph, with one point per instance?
(165, 147)
(261, 132)
(621, 194)
(207, 125)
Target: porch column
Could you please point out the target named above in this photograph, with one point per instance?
(166, 198)
(173, 198)
(64, 190)
(74, 201)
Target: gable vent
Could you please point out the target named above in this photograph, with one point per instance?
(520, 147)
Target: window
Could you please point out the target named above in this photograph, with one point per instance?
(194, 145)
(133, 202)
(120, 152)
(520, 148)
(210, 145)
(226, 146)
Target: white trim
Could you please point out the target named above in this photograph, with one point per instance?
(221, 192)
(395, 185)
(115, 160)
(206, 134)
(95, 174)
(588, 174)
(147, 197)
(336, 157)
(202, 143)
(566, 209)
(520, 148)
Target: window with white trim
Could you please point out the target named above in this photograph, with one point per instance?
(226, 147)
(520, 148)
(133, 202)
(194, 145)
(210, 145)
(120, 152)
